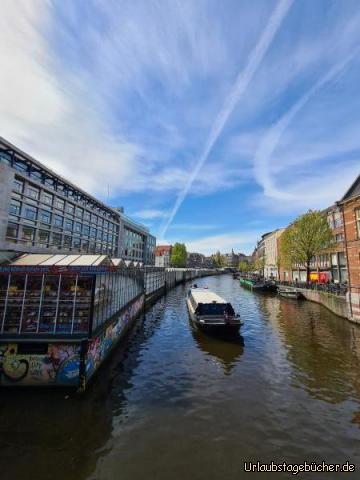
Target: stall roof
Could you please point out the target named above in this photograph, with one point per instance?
(117, 261)
(34, 259)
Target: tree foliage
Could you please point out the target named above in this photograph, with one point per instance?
(219, 260)
(259, 264)
(307, 237)
(244, 266)
(178, 255)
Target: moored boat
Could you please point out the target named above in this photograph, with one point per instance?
(290, 292)
(210, 312)
(258, 285)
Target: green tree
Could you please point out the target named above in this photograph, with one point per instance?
(219, 260)
(259, 264)
(178, 255)
(244, 266)
(307, 237)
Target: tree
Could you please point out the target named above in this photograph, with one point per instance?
(307, 237)
(219, 260)
(178, 255)
(259, 264)
(244, 266)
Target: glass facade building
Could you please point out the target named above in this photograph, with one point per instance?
(42, 212)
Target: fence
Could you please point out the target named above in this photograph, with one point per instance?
(339, 289)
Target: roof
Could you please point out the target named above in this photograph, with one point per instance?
(161, 249)
(37, 259)
(353, 191)
(203, 295)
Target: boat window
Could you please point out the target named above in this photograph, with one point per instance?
(215, 309)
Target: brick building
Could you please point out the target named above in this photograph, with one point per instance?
(350, 206)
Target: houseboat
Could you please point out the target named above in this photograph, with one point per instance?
(258, 285)
(290, 292)
(210, 312)
(61, 316)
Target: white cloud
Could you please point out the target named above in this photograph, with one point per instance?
(236, 92)
(148, 214)
(239, 241)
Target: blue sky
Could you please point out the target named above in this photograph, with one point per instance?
(211, 122)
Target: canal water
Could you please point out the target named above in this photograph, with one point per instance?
(176, 404)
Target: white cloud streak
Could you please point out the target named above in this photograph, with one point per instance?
(262, 160)
(238, 89)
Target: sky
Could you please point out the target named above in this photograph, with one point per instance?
(210, 122)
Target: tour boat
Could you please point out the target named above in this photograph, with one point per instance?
(290, 292)
(210, 312)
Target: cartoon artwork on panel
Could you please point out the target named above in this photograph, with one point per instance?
(100, 346)
(60, 365)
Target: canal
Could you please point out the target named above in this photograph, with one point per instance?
(175, 404)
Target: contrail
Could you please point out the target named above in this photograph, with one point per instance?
(242, 81)
(273, 135)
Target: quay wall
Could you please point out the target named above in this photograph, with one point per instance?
(335, 303)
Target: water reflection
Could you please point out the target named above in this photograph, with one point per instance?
(177, 403)
(225, 349)
(323, 349)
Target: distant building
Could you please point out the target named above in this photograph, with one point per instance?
(271, 253)
(42, 212)
(163, 255)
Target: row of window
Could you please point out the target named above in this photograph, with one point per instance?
(32, 213)
(43, 238)
(56, 202)
(32, 171)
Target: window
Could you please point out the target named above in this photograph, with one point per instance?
(93, 232)
(77, 227)
(93, 219)
(58, 221)
(45, 216)
(87, 216)
(59, 203)
(357, 217)
(78, 212)
(68, 225)
(30, 212)
(76, 243)
(56, 239)
(86, 229)
(84, 245)
(21, 166)
(36, 175)
(18, 185)
(49, 182)
(15, 207)
(339, 237)
(32, 192)
(67, 241)
(70, 208)
(43, 236)
(47, 198)
(27, 235)
(12, 230)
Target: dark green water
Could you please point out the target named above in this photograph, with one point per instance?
(175, 404)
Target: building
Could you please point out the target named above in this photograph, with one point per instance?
(271, 253)
(198, 260)
(330, 265)
(41, 212)
(163, 255)
(350, 208)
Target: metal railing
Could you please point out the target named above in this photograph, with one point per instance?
(339, 289)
